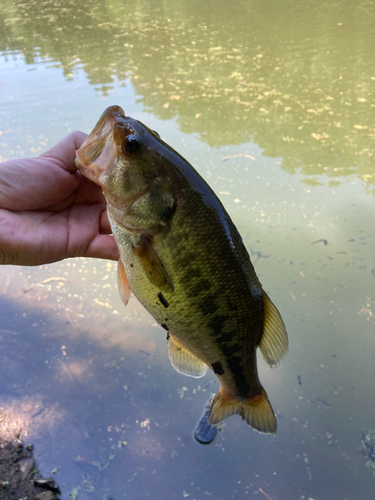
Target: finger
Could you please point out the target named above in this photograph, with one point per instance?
(103, 247)
(64, 151)
(105, 227)
(89, 193)
(7, 257)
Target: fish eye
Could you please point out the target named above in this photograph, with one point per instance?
(132, 144)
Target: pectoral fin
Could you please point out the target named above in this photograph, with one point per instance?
(274, 342)
(152, 265)
(183, 360)
(123, 283)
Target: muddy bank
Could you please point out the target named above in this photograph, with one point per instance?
(19, 475)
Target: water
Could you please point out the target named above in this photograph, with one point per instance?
(274, 104)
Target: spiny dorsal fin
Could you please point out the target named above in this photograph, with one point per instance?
(152, 265)
(183, 360)
(123, 283)
(274, 342)
(257, 411)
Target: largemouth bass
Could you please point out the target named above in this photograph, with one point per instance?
(184, 260)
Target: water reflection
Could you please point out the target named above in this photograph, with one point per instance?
(298, 81)
(101, 403)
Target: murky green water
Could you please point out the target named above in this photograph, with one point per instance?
(274, 104)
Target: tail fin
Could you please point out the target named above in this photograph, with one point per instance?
(257, 411)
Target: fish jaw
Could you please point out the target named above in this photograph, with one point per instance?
(99, 152)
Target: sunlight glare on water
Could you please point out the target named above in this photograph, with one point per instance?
(274, 104)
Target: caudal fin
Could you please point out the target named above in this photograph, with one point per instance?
(257, 411)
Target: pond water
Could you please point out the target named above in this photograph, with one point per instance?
(274, 104)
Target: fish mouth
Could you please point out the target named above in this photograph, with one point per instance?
(99, 151)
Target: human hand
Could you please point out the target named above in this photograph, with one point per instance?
(49, 211)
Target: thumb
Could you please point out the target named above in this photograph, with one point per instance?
(103, 246)
(64, 151)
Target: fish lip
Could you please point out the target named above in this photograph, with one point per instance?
(99, 149)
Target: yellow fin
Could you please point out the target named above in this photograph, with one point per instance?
(257, 412)
(152, 265)
(274, 342)
(123, 283)
(183, 360)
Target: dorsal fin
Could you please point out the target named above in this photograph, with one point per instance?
(274, 342)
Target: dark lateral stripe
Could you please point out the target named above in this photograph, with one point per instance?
(235, 367)
(230, 350)
(163, 300)
(218, 368)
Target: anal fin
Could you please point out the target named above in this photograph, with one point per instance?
(152, 265)
(274, 342)
(257, 411)
(183, 360)
(123, 283)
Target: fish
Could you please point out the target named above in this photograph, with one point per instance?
(184, 260)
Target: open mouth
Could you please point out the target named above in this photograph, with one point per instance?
(99, 150)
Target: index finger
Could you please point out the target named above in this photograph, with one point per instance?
(65, 150)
